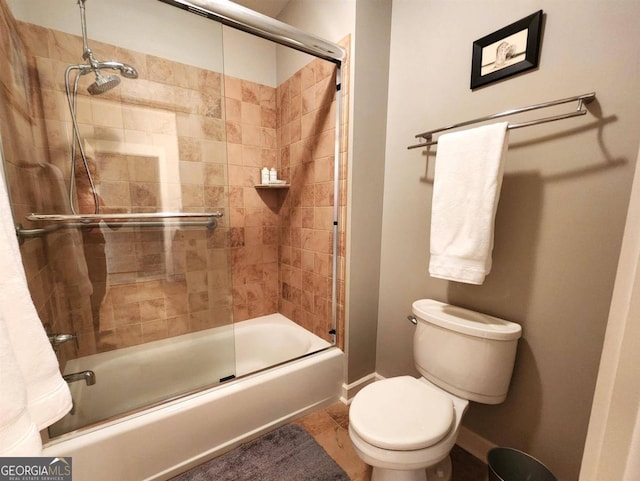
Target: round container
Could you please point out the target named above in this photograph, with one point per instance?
(508, 464)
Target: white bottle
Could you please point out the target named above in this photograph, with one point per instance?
(264, 175)
(273, 176)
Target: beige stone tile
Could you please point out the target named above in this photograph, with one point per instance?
(213, 129)
(154, 330)
(129, 335)
(250, 113)
(125, 314)
(215, 174)
(189, 149)
(114, 194)
(160, 69)
(214, 151)
(152, 310)
(177, 325)
(251, 135)
(251, 156)
(113, 167)
(191, 172)
(233, 88)
(106, 114)
(250, 92)
(176, 305)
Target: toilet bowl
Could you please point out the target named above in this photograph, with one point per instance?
(418, 429)
(405, 427)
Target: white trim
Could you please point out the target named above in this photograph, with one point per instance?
(474, 443)
(350, 390)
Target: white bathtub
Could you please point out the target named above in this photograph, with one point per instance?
(160, 442)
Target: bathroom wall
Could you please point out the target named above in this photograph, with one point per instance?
(561, 213)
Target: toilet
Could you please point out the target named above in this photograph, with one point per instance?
(405, 427)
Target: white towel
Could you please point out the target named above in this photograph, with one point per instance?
(33, 394)
(466, 190)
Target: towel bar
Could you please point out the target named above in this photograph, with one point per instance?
(428, 140)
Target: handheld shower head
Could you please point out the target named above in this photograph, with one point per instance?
(102, 83)
(126, 70)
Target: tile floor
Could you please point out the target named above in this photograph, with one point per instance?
(329, 427)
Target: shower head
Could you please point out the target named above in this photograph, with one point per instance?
(102, 83)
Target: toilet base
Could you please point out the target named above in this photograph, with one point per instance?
(438, 472)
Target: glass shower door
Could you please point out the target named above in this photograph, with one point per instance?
(138, 128)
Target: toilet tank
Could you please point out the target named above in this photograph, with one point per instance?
(464, 352)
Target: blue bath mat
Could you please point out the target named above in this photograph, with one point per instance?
(286, 454)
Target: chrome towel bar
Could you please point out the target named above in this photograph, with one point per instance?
(427, 137)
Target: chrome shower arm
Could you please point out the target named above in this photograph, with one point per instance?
(83, 22)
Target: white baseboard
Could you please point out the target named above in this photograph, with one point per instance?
(350, 390)
(474, 443)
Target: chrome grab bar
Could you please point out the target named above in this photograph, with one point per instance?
(121, 216)
(150, 219)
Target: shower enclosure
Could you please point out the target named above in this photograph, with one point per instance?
(133, 165)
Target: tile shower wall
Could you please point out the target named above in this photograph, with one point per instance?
(152, 145)
(141, 285)
(306, 131)
(282, 239)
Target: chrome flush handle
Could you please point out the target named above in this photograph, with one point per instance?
(413, 320)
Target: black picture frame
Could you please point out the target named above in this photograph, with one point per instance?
(507, 52)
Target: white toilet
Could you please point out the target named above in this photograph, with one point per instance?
(405, 427)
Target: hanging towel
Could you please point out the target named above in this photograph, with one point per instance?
(33, 394)
(466, 189)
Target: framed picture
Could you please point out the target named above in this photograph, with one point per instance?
(506, 52)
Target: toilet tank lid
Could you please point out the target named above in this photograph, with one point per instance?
(466, 321)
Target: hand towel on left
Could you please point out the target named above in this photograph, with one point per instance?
(33, 394)
(466, 189)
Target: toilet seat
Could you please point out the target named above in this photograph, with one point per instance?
(401, 414)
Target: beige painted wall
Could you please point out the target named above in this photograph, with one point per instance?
(561, 214)
(329, 19)
(366, 183)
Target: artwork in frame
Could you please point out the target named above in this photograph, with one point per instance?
(506, 52)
